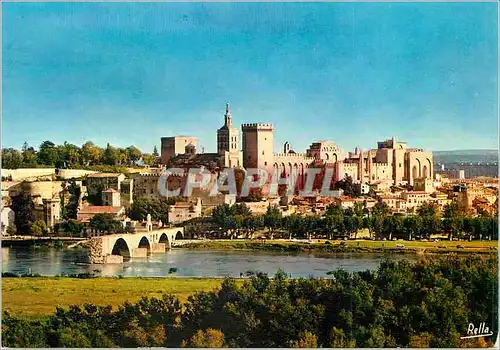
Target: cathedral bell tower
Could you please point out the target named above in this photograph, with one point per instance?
(228, 120)
(228, 141)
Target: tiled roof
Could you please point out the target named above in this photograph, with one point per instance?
(182, 205)
(94, 209)
(206, 159)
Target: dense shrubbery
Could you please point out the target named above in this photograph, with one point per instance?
(428, 303)
(13, 274)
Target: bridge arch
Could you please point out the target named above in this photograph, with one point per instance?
(179, 235)
(131, 245)
(121, 248)
(144, 243)
(165, 239)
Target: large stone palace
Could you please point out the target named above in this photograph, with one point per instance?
(392, 162)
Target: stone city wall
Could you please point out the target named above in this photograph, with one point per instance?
(74, 173)
(29, 173)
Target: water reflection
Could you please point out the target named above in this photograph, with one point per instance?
(51, 262)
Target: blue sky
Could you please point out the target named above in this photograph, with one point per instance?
(130, 73)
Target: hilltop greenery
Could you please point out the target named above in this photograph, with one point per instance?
(70, 156)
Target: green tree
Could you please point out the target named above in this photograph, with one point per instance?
(272, 218)
(348, 186)
(133, 154)
(69, 156)
(155, 152)
(122, 156)
(111, 155)
(412, 226)
(96, 197)
(359, 211)
(306, 340)
(148, 159)
(158, 208)
(156, 157)
(73, 228)
(29, 156)
(338, 339)
(241, 209)
(48, 153)
(431, 222)
(162, 211)
(452, 220)
(210, 338)
(139, 209)
(24, 209)
(379, 213)
(11, 158)
(71, 208)
(38, 228)
(291, 223)
(92, 154)
(420, 341)
(72, 337)
(334, 220)
(396, 226)
(136, 336)
(220, 212)
(17, 332)
(105, 223)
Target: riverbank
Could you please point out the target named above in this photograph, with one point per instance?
(351, 246)
(36, 297)
(35, 241)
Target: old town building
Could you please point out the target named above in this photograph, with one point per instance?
(173, 146)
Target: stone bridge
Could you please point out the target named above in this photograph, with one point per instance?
(117, 248)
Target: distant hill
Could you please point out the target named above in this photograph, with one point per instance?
(466, 156)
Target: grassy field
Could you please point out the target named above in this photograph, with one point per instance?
(351, 245)
(39, 296)
(423, 245)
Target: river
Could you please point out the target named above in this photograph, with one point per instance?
(188, 263)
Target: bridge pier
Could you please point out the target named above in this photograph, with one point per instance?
(158, 248)
(139, 253)
(113, 259)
